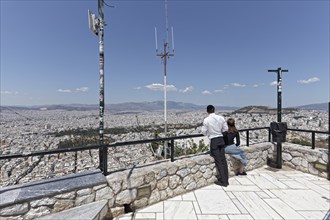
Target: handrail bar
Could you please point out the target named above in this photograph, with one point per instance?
(304, 130)
(252, 129)
(52, 151)
(73, 149)
(116, 144)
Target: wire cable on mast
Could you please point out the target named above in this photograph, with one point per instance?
(110, 6)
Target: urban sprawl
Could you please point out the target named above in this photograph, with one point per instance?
(24, 131)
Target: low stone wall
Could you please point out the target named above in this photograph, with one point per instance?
(305, 159)
(145, 185)
(30, 201)
(124, 190)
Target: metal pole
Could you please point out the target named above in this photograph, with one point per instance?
(165, 100)
(164, 56)
(329, 141)
(279, 116)
(172, 150)
(102, 150)
(279, 113)
(247, 138)
(279, 95)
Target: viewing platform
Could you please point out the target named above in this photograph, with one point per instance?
(183, 189)
(265, 193)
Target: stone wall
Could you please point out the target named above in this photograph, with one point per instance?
(30, 201)
(305, 159)
(145, 185)
(124, 190)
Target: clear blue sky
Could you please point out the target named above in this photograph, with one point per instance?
(223, 50)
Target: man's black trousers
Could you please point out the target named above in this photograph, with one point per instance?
(217, 148)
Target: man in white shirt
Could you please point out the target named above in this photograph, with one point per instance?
(213, 127)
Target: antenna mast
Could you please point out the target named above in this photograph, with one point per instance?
(96, 25)
(165, 55)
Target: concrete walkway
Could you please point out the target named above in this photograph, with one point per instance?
(265, 193)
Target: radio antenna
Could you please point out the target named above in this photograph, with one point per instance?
(164, 56)
(96, 25)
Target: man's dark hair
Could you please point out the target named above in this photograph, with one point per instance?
(210, 109)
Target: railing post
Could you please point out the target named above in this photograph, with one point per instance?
(104, 160)
(329, 141)
(313, 140)
(269, 134)
(172, 150)
(247, 137)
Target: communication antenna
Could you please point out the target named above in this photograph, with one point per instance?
(93, 22)
(96, 25)
(165, 55)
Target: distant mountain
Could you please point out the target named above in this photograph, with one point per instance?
(133, 107)
(263, 110)
(127, 107)
(318, 106)
(67, 107)
(159, 106)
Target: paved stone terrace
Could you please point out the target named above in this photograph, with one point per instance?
(265, 193)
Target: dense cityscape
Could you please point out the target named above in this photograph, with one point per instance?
(24, 131)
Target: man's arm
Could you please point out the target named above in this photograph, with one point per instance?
(204, 128)
(224, 126)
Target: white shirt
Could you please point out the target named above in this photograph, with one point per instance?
(214, 125)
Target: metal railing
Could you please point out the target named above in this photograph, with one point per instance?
(247, 130)
(310, 131)
(168, 139)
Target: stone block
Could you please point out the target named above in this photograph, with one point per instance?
(195, 168)
(42, 202)
(63, 204)
(18, 209)
(37, 212)
(163, 195)
(104, 193)
(95, 188)
(126, 197)
(183, 172)
(208, 173)
(172, 169)
(163, 183)
(155, 197)
(85, 199)
(174, 181)
(139, 203)
(191, 186)
(178, 190)
(161, 173)
(116, 211)
(84, 192)
(286, 156)
(70, 195)
(135, 181)
(187, 180)
(115, 185)
(149, 177)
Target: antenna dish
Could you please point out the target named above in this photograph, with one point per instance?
(93, 22)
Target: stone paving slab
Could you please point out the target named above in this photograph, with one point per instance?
(90, 211)
(263, 194)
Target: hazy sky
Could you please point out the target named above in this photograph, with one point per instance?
(223, 50)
